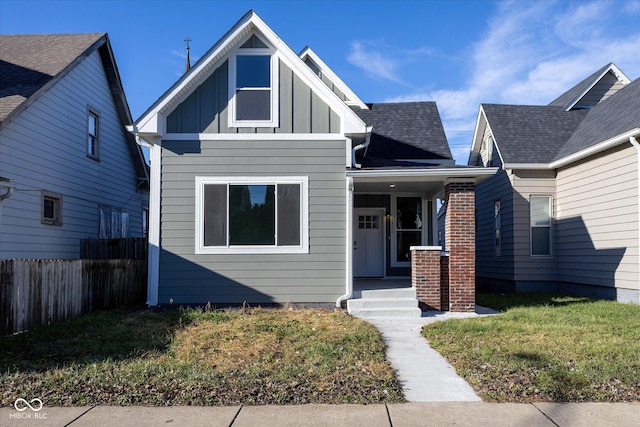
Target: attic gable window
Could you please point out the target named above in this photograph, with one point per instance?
(253, 85)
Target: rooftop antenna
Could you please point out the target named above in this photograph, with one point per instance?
(188, 61)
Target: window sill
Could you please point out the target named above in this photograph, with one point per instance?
(249, 250)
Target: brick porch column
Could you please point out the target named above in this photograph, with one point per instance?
(460, 243)
(425, 276)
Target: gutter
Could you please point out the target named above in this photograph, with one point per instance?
(636, 145)
(9, 187)
(360, 147)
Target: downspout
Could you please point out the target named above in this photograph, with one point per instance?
(364, 145)
(153, 237)
(636, 144)
(349, 249)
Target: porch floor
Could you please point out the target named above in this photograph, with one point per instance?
(365, 284)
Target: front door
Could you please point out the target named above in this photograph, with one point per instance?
(368, 242)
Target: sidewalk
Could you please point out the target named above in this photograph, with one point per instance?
(396, 415)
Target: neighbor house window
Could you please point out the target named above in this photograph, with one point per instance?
(540, 214)
(51, 208)
(252, 215)
(93, 134)
(114, 223)
(253, 85)
(497, 229)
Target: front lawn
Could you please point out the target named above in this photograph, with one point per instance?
(199, 357)
(545, 348)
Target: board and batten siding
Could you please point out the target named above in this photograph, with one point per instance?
(526, 183)
(44, 148)
(597, 220)
(206, 110)
(318, 276)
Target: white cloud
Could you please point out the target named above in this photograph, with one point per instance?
(373, 62)
(532, 53)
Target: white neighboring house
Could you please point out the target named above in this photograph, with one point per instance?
(68, 168)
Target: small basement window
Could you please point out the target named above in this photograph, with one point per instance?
(51, 208)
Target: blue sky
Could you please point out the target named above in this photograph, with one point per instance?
(458, 53)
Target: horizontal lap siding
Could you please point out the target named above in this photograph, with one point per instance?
(526, 267)
(498, 187)
(256, 278)
(597, 223)
(44, 148)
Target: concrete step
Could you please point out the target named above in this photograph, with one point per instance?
(386, 312)
(371, 303)
(388, 293)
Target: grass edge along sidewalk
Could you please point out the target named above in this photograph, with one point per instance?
(545, 347)
(199, 357)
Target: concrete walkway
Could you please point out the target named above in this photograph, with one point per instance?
(424, 374)
(396, 415)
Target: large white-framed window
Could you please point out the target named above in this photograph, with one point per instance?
(93, 134)
(252, 215)
(253, 85)
(407, 228)
(540, 209)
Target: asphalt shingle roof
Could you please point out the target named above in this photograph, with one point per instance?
(28, 62)
(615, 115)
(404, 130)
(545, 133)
(531, 133)
(570, 95)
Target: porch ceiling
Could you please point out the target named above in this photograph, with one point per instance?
(393, 185)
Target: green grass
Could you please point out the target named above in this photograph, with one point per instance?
(199, 357)
(545, 348)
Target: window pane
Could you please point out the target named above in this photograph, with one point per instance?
(92, 124)
(253, 105)
(253, 71)
(406, 239)
(409, 215)
(252, 215)
(541, 241)
(49, 208)
(215, 215)
(288, 214)
(540, 214)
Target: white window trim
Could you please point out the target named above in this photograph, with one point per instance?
(550, 199)
(303, 248)
(275, 71)
(95, 113)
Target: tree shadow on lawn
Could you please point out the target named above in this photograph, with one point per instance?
(505, 301)
(119, 334)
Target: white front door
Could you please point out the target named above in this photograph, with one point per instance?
(368, 242)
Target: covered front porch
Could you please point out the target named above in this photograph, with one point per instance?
(394, 221)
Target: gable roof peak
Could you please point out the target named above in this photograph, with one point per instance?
(571, 99)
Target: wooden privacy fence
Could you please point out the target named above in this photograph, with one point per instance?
(129, 248)
(37, 292)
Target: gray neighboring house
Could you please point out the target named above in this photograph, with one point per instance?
(272, 182)
(562, 213)
(69, 170)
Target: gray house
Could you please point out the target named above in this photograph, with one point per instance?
(69, 170)
(562, 213)
(272, 182)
